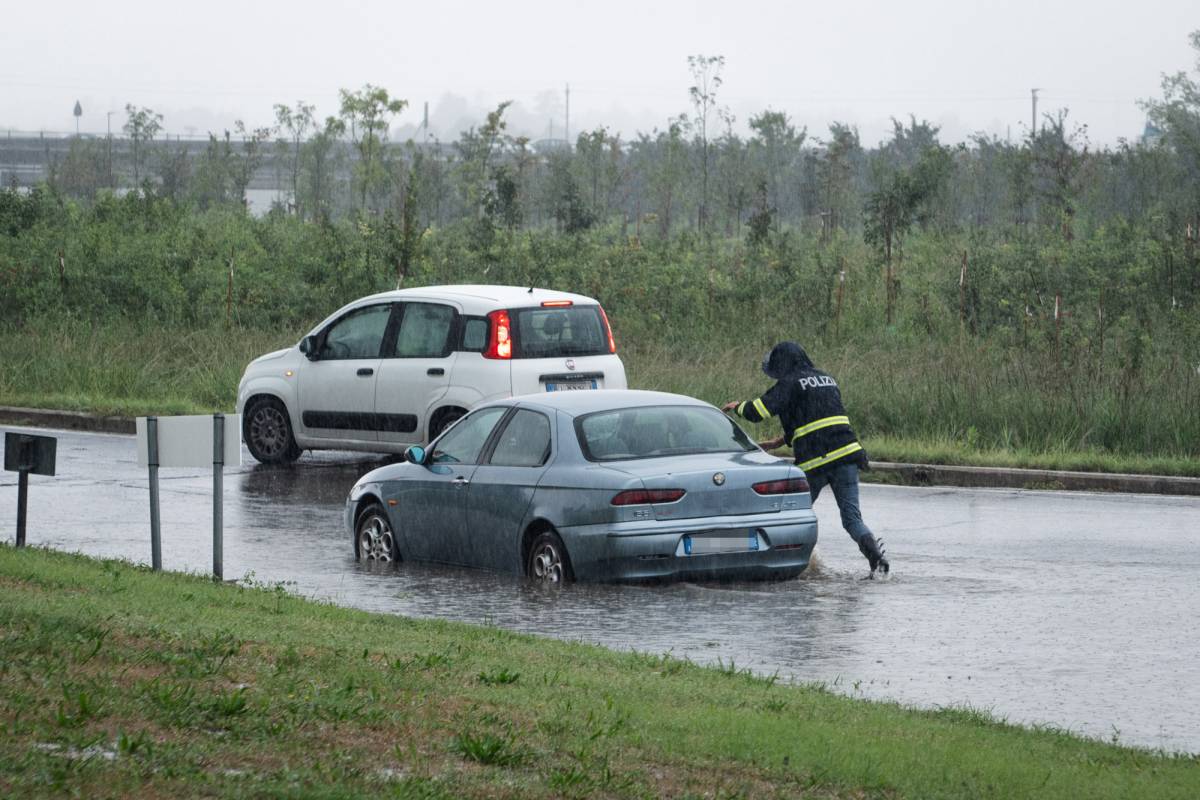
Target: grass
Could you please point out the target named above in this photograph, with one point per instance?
(115, 681)
(926, 402)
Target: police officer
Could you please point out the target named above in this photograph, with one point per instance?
(809, 405)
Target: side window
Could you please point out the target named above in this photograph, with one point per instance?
(524, 442)
(475, 335)
(424, 330)
(462, 443)
(359, 334)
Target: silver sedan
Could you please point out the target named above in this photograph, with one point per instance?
(590, 485)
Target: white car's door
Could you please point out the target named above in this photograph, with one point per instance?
(415, 372)
(337, 390)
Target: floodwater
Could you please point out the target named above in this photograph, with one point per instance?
(1073, 610)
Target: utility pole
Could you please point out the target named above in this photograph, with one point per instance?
(1033, 126)
(567, 133)
(425, 122)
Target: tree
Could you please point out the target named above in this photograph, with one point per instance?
(252, 156)
(297, 122)
(141, 126)
(1177, 116)
(775, 146)
(478, 147)
(706, 72)
(319, 160)
(893, 208)
(367, 113)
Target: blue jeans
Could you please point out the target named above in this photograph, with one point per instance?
(843, 478)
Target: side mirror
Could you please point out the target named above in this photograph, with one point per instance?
(308, 346)
(415, 455)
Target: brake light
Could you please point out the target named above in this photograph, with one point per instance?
(641, 497)
(789, 486)
(557, 303)
(499, 336)
(612, 345)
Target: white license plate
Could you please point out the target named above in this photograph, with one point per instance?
(569, 386)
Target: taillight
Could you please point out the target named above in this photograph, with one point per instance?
(612, 344)
(557, 303)
(499, 336)
(641, 497)
(789, 486)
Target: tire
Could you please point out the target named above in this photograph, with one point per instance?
(374, 537)
(267, 430)
(442, 422)
(548, 561)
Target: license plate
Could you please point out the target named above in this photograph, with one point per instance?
(709, 543)
(568, 386)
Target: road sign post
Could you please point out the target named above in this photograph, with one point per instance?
(218, 494)
(25, 453)
(152, 464)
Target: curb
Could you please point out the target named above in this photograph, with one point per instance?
(1012, 478)
(71, 420)
(907, 474)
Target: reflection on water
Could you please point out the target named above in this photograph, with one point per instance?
(1069, 609)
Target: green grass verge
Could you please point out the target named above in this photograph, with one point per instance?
(115, 681)
(130, 369)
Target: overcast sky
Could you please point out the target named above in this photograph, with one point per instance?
(967, 66)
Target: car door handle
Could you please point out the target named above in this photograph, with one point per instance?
(435, 371)
(459, 482)
(365, 371)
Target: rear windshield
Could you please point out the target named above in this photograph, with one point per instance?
(653, 431)
(559, 332)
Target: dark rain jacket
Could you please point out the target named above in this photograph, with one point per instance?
(809, 406)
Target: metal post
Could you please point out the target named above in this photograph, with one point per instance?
(218, 475)
(152, 461)
(22, 498)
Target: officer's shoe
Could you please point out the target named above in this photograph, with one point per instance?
(873, 550)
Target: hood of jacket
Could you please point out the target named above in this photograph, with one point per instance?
(786, 360)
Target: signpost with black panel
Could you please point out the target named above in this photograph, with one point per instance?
(26, 453)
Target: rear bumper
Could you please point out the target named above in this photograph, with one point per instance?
(652, 551)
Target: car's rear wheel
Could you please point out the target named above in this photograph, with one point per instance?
(444, 420)
(268, 432)
(548, 560)
(374, 536)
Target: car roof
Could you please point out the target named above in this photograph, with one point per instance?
(587, 402)
(479, 296)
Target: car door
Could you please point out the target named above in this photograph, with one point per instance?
(337, 390)
(433, 503)
(415, 371)
(502, 489)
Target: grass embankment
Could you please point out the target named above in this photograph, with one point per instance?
(993, 413)
(115, 681)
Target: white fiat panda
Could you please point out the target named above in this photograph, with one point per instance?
(396, 368)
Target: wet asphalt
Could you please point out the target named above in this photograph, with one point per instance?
(1074, 610)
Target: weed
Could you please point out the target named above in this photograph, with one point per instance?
(488, 748)
(499, 677)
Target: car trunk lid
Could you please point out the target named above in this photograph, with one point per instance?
(715, 484)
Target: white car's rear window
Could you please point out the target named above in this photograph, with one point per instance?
(559, 332)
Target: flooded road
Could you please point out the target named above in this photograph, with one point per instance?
(1073, 610)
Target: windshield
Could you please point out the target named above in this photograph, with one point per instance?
(652, 431)
(559, 332)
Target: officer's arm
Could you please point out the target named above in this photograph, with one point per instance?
(762, 408)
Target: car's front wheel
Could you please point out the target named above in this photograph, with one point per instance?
(548, 560)
(374, 536)
(268, 432)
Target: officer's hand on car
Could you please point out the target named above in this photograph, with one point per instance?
(772, 444)
(730, 406)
